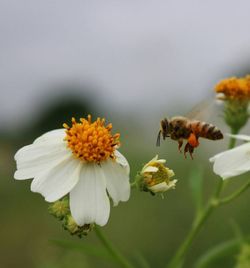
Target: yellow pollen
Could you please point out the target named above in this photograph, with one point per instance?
(91, 142)
(235, 88)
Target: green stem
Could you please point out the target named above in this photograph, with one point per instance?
(235, 194)
(213, 202)
(178, 258)
(111, 249)
(232, 141)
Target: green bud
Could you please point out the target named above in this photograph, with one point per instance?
(243, 259)
(60, 208)
(74, 229)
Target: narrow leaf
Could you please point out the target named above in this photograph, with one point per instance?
(224, 249)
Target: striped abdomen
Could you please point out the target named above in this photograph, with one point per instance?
(205, 130)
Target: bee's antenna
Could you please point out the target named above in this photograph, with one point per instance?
(158, 141)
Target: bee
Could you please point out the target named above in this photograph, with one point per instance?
(181, 128)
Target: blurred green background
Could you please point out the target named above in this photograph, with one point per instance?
(146, 225)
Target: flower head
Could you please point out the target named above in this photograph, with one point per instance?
(236, 94)
(234, 88)
(82, 161)
(233, 162)
(155, 177)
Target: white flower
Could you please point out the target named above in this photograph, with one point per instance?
(233, 162)
(82, 161)
(156, 177)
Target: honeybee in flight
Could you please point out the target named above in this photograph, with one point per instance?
(182, 128)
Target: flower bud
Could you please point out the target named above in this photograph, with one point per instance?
(74, 229)
(155, 177)
(243, 259)
(60, 209)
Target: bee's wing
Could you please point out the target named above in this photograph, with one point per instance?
(207, 110)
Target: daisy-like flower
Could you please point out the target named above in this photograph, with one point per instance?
(233, 162)
(155, 177)
(80, 160)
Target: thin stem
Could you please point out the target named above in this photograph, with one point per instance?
(177, 260)
(213, 202)
(235, 194)
(111, 249)
(232, 140)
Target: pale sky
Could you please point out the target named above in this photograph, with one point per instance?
(146, 54)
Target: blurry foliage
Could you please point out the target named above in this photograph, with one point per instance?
(154, 227)
(59, 111)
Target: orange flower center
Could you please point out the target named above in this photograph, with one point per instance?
(235, 88)
(91, 142)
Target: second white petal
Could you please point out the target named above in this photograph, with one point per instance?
(89, 202)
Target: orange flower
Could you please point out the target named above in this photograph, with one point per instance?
(234, 88)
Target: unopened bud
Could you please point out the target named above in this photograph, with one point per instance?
(155, 177)
(74, 229)
(60, 208)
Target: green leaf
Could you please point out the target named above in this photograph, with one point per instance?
(88, 249)
(224, 249)
(196, 183)
(143, 263)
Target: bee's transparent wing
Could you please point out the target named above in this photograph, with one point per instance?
(209, 110)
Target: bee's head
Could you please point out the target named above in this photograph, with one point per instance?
(164, 131)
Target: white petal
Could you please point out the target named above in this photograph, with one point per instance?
(232, 162)
(56, 135)
(239, 137)
(117, 179)
(170, 173)
(33, 150)
(150, 169)
(154, 159)
(163, 186)
(34, 159)
(59, 180)
(161, 161)
(89, 202)
(122, 161)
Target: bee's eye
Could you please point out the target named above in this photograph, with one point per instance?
(176, 128)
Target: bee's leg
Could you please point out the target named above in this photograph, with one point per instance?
(180, 143)
(193, 140)
(188, 148)
(191, 150)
